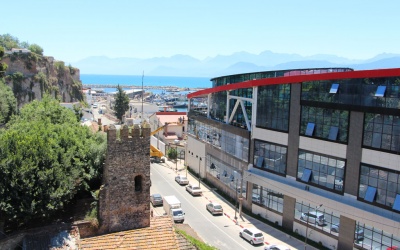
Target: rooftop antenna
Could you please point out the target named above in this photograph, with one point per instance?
(142, 95)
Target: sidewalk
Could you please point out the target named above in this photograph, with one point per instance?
(271, 234)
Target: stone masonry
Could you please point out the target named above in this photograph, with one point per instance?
(124, 200)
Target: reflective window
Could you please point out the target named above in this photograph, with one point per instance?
(370, 194)
(267, 198)
(306, 175)
(324, 123)
(396, 205)
(270, 157)
(379, 186)
(273, 104)
(226, 174)
(380, 92)
(310, 129)
(382, 132)
(320, 170)
(218, 106)
(233, 144)
(334, 88)
(357, 92)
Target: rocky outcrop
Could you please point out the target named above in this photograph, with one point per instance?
(31, 76)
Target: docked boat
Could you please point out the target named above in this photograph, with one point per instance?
(180, 105)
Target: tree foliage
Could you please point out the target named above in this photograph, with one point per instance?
(8, 42)
(46, 158)
(8, 103)
(36, 49)
(121, 103)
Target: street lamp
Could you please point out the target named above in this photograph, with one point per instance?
(305, 240)
(199, 170)
(235, 176)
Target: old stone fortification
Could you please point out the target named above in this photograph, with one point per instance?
(41, 74)
(124, 201)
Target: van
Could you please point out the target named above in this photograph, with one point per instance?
(314, 217)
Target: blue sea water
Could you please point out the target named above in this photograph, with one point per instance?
(165, 81)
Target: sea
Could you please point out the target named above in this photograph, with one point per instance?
(148, 81)
(132, 80)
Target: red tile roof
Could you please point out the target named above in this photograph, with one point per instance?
(160, 235)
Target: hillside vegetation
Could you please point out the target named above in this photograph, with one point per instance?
(31, 75)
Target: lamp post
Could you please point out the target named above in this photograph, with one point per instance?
(199, 170)
(305, 240)
(235, 175)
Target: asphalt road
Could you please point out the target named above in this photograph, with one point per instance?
(218, 231)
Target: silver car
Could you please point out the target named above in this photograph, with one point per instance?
(182, 180)
(215, 208)
(156, 200)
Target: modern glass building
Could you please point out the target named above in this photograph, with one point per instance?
(288, 142)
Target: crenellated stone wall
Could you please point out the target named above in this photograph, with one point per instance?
(124, 201)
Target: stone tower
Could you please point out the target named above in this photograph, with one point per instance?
(124, 200)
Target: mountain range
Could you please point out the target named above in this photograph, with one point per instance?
(220, 65)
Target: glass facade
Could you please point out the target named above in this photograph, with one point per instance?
(320, 170)
(329, 124)
(228, 175)
(379, 186)
(267, 198)
(273, 105)
(218, 106)
(270, 157)
(382, 132)
(365, 92)
(230, 143)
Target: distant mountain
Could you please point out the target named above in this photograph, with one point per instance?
(239, 62)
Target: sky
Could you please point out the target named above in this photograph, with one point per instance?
(76, 29)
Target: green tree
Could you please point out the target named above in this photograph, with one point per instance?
(8, 42)
(172, 153)
(36, 49)
(3, 66)
(46, 158)
(121, 103)
(8, 103)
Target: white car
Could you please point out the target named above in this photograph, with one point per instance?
(214, 208)
(252, 235)
(276, 247)
(182, 180)
(193, 189)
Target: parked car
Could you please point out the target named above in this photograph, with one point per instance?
(276, 247)
(193, 189)
(215, 208)
(156, 200)
(182, 180)
(314, 217)
(253, 235)
(358, 234)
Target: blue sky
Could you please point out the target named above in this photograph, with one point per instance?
(76, 29)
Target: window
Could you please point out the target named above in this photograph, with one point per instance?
(334, 88)
(379, 186)
(270, 157)
(380, 92)
(273, 102)
(370, 194)
(333, 132)
(310, 129)
(138, 183)
(306, 175)
(382, 132)
(396, 205)
(320, 170)
(323, 123)
(260, 161)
